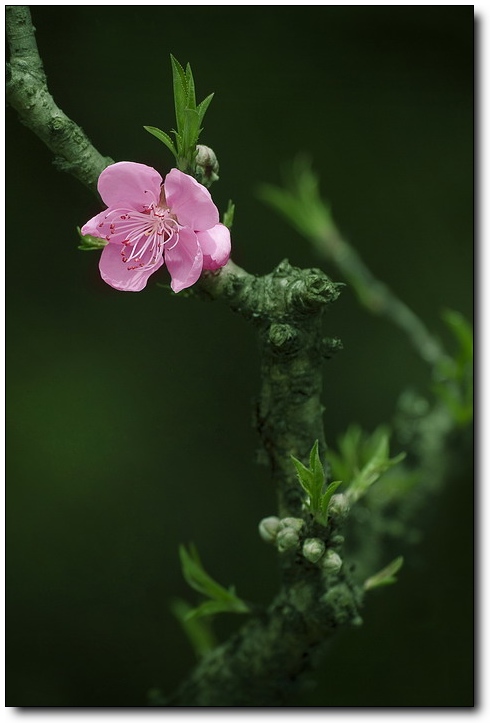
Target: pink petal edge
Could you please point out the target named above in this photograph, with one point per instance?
(184, 261)
(216, 246)
(189, 201)
(129, 183)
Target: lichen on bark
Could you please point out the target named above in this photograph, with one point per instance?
(287, 306)
(27, 92)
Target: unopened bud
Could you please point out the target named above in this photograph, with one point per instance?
(338, 506)
(287, 539)
(207, 166)
(331, 561)
(293, 523)
(313, 549)
(268, 528)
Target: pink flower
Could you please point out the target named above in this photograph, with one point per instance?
(148, 221)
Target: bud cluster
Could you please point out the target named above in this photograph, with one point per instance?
(285, 535)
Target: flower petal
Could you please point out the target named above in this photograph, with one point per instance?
(216, 246)
(189, 201)
(129, 183)
(120, 275)
(110, 225)
(93, 227)
(184, 260)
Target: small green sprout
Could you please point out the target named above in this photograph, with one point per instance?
(188, 116)
(312, 480)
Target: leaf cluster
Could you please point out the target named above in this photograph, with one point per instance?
(312, 480)
(221, 600)
(188, 116)
(362, 459)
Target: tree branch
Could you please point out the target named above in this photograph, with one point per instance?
(287, 306)
(28, 93)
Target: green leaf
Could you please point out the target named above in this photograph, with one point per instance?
(454, 374)
(188, 117)
(191, 130)
(90, 243)
(180, 92)
(198, 632)
(350, 446)
(163, 137)
(203, 106)
(229, 215)
(462, 331)
(213, 607)
(180, 143)
(305, 476)
(300, 202)
(224, 600)
(191, 88)
(386, 576)
(312, 480)
(362, 459)
(327, 496)
(378, 463)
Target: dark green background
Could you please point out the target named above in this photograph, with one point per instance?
(129, 415)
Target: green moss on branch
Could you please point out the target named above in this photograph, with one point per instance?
(28, 94)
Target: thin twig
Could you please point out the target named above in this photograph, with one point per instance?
(28, 94)
(376, 296)
(301, 204)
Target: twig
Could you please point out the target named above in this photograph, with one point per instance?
(376, 296)
(28, 93)
(301, 204)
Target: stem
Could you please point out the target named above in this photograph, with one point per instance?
(260, 664)
(28, 93)
(266, 659)
(287, 306)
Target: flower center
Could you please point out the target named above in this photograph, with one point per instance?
(147, 232)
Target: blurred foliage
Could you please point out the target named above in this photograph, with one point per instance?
(222, 600)
(386, 576)
(454, 374)
(198, 630)
(362, 459)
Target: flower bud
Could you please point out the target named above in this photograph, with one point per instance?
(287, 539)
(207, 166)
(268, 528)
(331, 561)
(294, 523)
(339, 506)
(313, 549)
